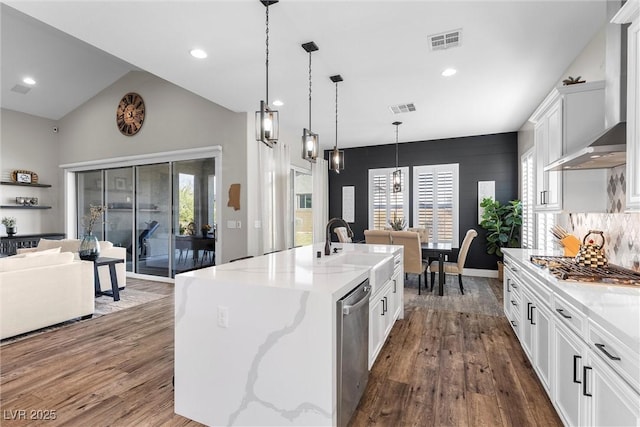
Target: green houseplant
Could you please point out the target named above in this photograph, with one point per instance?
(10, 224)
(502, 223)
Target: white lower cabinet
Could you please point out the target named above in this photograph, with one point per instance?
(568, 379)
(385, 307)
(587, 390)
(587, 385)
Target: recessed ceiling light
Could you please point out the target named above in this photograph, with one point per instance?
(449, 72)
(29, 81)
(198, 53)
(278, 103)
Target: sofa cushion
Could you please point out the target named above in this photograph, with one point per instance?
(14, 263)
(42, 252)
(68, 245)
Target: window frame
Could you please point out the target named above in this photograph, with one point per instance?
(449, 167)
(405, 193)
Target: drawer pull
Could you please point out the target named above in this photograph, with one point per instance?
(575, 377)
(604, 350)
(529, 311)
(532, 322)
(513, 322)
(584, 384)
(561, 311)
(514, 286)
(514, 303)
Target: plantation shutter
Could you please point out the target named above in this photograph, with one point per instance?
(436, 201)
(528, 224)
(384, 204)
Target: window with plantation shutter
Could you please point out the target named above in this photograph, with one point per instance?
(435, 201)
(384, 204)
(528, 193)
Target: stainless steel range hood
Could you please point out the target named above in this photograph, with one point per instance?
(608, 149)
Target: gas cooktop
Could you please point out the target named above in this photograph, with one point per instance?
(565, 268)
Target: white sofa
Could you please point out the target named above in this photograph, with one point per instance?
(106, 250)
(42, 290)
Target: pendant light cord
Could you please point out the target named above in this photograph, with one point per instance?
(336, 147)
(396, 147)
(267, 54)
(309, 91)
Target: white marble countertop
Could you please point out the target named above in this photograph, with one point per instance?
(300, 269)
(615, 308)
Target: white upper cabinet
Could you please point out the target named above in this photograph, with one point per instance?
(568, 118)
(630, 13)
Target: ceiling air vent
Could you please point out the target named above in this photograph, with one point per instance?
(403, 108)
(445, 40)
(20, 89)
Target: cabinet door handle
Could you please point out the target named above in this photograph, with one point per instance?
(394, 286)
(385, 305)
(575, 377)
(532, 322)
(529, 311)
(382, 314)
(584, 383)
(508, 285)
(541, 198)
(561, 311)
(604, 350)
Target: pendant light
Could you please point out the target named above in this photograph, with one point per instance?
(336, 158)
(397, 174)
(267, 119)
(309, 139)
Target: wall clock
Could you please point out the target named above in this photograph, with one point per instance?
(130, 114)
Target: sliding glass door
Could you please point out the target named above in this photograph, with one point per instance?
(163, 213)
(153, 219)
(195, 218)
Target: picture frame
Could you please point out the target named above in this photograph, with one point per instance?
(121, 183)
(23, 177)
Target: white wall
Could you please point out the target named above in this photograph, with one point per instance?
(175, 119)
(29, 143)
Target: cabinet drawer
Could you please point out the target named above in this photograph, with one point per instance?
(570, 316)
(514, 285)
(620, 357)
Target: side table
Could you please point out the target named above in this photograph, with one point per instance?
(111, 262)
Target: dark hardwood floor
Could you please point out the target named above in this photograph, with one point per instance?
(447, 363)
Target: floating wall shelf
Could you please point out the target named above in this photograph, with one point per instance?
(24, 184)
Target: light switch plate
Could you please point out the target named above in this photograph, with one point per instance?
(231, 224)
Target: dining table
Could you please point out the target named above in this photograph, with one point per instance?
(438, 250)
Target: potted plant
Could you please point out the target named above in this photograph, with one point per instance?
(502, 223)
(9, 223)
(205, 229)
(397, 224)
(89, 247)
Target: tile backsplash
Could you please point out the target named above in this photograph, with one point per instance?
(621, 230)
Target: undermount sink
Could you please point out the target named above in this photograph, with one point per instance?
(381, 265)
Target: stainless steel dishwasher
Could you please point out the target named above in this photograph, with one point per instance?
(353, 350)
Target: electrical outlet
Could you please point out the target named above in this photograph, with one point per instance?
(223, 316)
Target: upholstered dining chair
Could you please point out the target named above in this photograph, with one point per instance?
(377, 237)
(413, 264)
(422, 231)
(343, 236)
(455, 267)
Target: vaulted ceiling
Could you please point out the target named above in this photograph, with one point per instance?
(511, 55)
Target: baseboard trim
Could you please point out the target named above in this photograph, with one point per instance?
(477, 272)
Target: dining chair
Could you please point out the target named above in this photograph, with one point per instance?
(422, 231)
(454, 267)
(413, 264)
(377, 237)
(343, 236)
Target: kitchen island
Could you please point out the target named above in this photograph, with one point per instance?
(255, 340)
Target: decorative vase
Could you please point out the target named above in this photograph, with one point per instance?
(89, 248)
(11, 230)
(204, 233)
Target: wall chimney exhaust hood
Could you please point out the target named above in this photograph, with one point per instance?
(607, 151)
